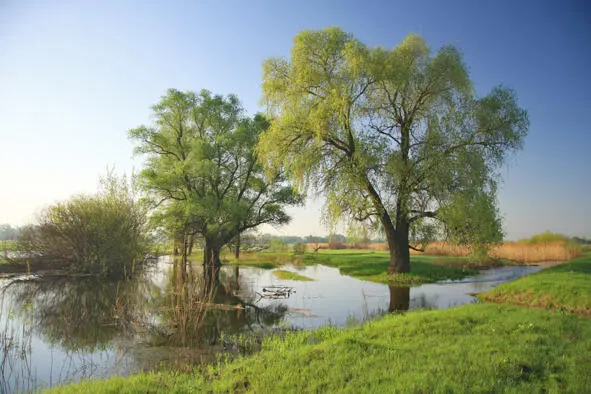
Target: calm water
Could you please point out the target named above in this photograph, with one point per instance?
(58, 330)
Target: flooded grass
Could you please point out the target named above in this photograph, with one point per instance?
(564, 287)
(367, 265)
(373, 266)
(289, 275)
(473, 348)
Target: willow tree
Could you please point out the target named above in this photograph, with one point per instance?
(203, 174)
(396, 138)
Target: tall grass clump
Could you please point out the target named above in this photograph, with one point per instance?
(102, 233)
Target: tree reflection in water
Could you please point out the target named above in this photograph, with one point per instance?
(399, 298)
(140, 321)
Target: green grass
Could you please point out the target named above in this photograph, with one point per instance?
(366, 265)
(474, 348)
(288, 275)
(566, 287)
(373, 266)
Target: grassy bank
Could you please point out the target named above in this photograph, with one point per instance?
(565, 287)
(288, 275)
(373, 266)
(367, 265)
(474, 348)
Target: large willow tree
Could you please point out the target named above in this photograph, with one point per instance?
(397, 138)
(203, 174)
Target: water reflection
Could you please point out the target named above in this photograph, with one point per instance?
(61, 329)
(399, 298)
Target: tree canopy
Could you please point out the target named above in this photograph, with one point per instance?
(394, 138)
(202, 172)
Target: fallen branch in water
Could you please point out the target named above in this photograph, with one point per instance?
(276, 292)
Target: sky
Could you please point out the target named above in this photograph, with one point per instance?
(76, 75)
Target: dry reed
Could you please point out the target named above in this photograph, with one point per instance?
(516, 251)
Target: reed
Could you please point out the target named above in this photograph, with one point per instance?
(523, 251)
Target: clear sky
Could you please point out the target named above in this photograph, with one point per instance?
(76, 75)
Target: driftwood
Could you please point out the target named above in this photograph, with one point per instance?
(276, 292)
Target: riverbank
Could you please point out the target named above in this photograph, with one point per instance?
(473, 348)
(565, 287)
(367, 265)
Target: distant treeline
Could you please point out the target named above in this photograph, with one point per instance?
(9, 233)
(310, 239)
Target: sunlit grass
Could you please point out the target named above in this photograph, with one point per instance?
(366, 264)
(288, 275)
(474, 348)
(565, 287)
(373, 266)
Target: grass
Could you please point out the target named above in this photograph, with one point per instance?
(366, 265)
(566, 287)
(473, 348)
(288, 275)
(373, 266)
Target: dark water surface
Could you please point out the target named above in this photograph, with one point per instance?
(59, 330)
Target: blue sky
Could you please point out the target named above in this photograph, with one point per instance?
(75, 76)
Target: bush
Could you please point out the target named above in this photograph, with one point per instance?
(546, 237)
(103, 233)
(277, 244)
(337, 245)
(299, 248)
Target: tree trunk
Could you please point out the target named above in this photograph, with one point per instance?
(237, 248)
(211, 254)
(185, 247)
(191, 243)
(398, 247)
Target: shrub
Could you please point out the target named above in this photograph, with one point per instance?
(337, 245)
(299, 248)
(103, 233)
(277, 244)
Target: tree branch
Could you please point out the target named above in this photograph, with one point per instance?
(415, 248)
(421, 214)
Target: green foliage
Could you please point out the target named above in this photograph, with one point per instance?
(546, 237)
(564, 287)
(394, 138)
(473, 348)
(101, 233)
(299, 248)
(9, 245)
(276, 244)
(201, 171)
